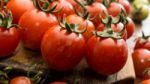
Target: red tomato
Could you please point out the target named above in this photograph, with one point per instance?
(130, 27)
(145, 81)
(83, 24)
(106, 56)
(20, 80)
(126, 5)
(19, 7)
(96, 10)
(142, 43)
(74, 4)
(9, 39)
(62, 50)
(34, 24)
(65, 7)
(140, 60)
(58, 83)
(114, 9)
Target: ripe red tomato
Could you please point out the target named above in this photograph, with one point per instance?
(19, 7)
(106, 55)
(58, 83)
(20, 80)
(34, 24)
(126, 5)
(73, 3)
(142, 43)
(96, 10)
(61, 49)
(145, 81)
(130, 27)
(9, 40)
(114, 9)
(75, 19)
(65, 7)
(140, 60)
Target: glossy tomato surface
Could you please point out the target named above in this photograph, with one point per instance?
(62, 50)
(140, 60)
(19, 7)
(34, 24)
(105, 55)
(9, 39)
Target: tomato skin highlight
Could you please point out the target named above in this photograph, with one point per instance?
(62, 50)
(34, 24)
(20, 80)
(106, 56)
(19, 7)
(9, 40)
(140, 60)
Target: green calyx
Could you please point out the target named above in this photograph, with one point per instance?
(144, 38)
(35, 78)
(72, 27)
(123, 17)
(45, 6)
(108, 32)
(6, 19)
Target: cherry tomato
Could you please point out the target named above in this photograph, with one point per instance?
(19, 7)
(64, 6)
(106, 55)
(126, 5)
(58, 83)
(34, 24)
(20, 80)
(96, 10)
(141, 60)
(142, 43)
(145, 81)
(114, 9)
(83, 24)
(74, 4)
(61, 49)
(9, 40)
(130, 27)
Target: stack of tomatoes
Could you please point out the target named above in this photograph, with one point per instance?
(66, 31)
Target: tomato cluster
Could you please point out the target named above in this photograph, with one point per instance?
(65, 31)
(141, 56)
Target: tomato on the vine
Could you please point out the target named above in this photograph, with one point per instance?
(115, 8)
(63, 7)
(19, 7)
(126, 5)
(83, 23)
(107, 52)
(62, 48)
(33, 25)
(141, 60)
(58, 83)
(20, 80)
(143, 42)
(9, 34)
